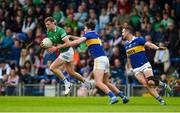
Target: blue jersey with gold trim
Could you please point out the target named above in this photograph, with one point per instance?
(136, 52)
(94, 44)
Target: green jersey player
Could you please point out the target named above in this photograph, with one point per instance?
(60, 38)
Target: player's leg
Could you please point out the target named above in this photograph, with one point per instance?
(68, 57)
(152, 81)
(71, 71)
(54, 67)
(114, 88)
(101, 66)
(141, 78)
(98, 76)
(63, 58)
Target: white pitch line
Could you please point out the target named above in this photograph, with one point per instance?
(89, 112)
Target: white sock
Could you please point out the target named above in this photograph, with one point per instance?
(65, 81)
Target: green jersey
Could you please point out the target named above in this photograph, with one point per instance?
(57, 37)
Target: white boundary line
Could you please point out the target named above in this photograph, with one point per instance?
(89, 112)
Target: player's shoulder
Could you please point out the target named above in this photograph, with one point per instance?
(139, 39)
(128, 42)
(61, 31)
(91, 34)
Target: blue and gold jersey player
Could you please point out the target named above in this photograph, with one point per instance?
(137, 60)
(101, 63)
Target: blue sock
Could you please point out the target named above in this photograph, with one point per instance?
(159, 99)
(111, 94)
(121, 94)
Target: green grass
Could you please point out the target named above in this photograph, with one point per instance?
(85, 104)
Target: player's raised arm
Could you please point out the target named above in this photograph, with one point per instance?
(78, 41)
(153, 46)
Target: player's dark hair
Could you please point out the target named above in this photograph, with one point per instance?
(90, 25)
(49, 19)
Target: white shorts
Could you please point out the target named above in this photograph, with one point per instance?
(67, 56)
(143, 68)
(102, 63)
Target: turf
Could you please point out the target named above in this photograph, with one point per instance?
(85, 104)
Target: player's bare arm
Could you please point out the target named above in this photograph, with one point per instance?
(153, 46)
(74, 37)
(66, 44)
(129, 62)
(78, 41)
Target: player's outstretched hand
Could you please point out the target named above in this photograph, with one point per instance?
(52, 49)
(162, 48)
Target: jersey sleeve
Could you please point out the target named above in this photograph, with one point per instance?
(62, 33)
(86, 36)
(141, 41)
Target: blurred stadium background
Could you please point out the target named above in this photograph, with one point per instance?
(25, 64)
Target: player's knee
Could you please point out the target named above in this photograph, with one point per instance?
(98, 84)
(145, 85)
(52, 68)
(107, 83)
(152, 81)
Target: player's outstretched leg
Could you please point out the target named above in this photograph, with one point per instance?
(141, 78)
(99, 76)
(155, 94)
(115, 89)
(70, 70)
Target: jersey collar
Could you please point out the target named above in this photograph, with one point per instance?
(91, 31)
(132, 39)
(55, 29)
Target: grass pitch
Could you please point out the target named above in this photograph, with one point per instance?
(85, 104)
